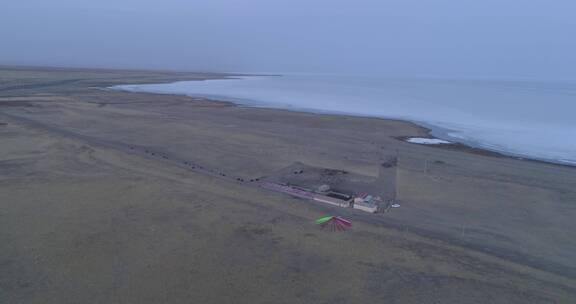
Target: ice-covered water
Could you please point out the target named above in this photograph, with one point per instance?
(531, 119)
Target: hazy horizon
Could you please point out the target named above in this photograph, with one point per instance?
(445, 39)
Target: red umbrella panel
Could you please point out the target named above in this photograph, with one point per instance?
(334, 223)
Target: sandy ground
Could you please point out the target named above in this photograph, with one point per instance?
(98, 204)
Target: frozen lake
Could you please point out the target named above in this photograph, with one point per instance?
(529, 119)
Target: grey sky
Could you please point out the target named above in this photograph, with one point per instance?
(439, 38)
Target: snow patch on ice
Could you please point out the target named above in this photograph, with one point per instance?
(427, 141)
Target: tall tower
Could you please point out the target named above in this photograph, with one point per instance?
(387, 177)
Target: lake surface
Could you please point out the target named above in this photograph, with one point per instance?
(529, 119)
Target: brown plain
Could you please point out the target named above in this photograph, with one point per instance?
(87, 216)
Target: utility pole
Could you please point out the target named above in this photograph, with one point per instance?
(387, 176)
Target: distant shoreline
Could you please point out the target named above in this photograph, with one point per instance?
(171, 77)
(432, 131)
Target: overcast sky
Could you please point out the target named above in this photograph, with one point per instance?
(436, 38)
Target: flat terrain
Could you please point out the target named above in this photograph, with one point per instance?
(99, 203)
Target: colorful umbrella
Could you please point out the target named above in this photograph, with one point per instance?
(334, 222)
